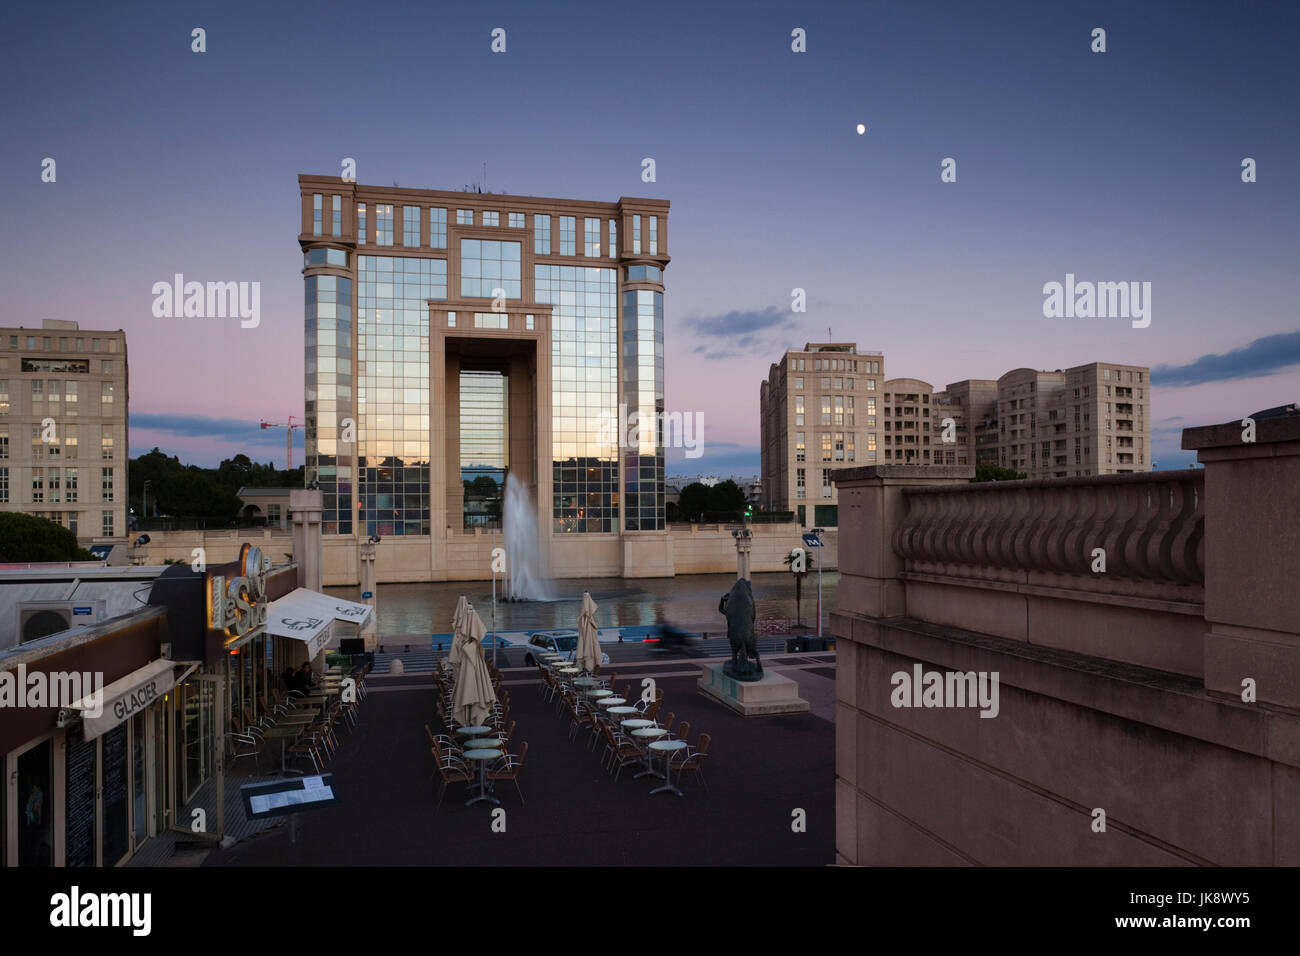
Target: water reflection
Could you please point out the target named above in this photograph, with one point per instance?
(689, 601)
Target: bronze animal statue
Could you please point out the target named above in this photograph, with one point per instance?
(738, 606)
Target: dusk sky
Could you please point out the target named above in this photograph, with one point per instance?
(1115, 166)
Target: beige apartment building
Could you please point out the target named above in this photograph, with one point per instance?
(972, 404)
(820, 410)
(63, 427)
(1087, 420)
(907, 421)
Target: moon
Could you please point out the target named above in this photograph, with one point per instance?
(861, 129)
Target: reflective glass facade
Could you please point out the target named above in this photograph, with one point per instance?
(329, 382)
(487, 265)
(393, 391)
(643, 395)
(584, 363)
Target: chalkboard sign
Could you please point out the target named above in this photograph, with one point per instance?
(79, 833)
(115, 790)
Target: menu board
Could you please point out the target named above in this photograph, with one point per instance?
(79, 833)
(115, 790)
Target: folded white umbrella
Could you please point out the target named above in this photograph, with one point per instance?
(459, 626)
(588, 654)
(473, 696)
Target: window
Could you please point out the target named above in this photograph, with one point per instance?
(106, 448)
(826, 381)
(451, 320)
(799, 483)
(798, 409)
(613, 238)
(541, 235)
(321, 257)
(4, 443)
(4, 485)
(106, 483)
(568, 235)
(799, 450)
(871, 385)
(826, 409)
(384, 225)
(53, 391)
(315, 214)
(839, 446)
(839, 409)
(491, 218)
(106, 396)
(4, 396)
(827, 491)
(71, 393)
(491, 320)
(591, 236)
(54, 489)
(336, 214)
(70, 446)
(516, 220)
(490, 264)
(529, 322)
(38, 485)
(848, 447)
(649, 273)
(38, 390)
(654, 235)
(410, 225)
(31, 341)
(464, 217)
(826, 446)
(636, 235)
(798, 382)
(848, 412)
(361, 224)
(106, 523)
(81, 345)
(437, 228)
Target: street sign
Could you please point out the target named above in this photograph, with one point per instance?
(812, 541)
(366, 595)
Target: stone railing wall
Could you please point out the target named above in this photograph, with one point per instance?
(1151, 527)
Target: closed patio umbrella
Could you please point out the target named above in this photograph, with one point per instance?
(473, 696)
(588, 654)
(459, 624)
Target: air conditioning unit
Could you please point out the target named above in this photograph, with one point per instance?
(37, 619)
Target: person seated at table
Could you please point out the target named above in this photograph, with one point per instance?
(289, 677)
(304, 679)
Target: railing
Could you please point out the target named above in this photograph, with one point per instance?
(1150, 525)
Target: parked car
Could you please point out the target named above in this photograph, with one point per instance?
(554, 642)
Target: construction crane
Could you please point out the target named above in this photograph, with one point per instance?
(288, 438)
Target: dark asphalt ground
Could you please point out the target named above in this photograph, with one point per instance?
(760, 770)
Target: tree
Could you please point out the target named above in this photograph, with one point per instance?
(694, 501)
(192, 494)
(727, 497)
(25, 537)
(808, 562)
(996, 473)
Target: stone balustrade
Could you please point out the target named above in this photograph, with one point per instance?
(1151, 526)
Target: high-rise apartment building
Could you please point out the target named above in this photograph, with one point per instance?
(972, 405)
(820, 410)
(454, 336)
(907, 422)
(63, 427)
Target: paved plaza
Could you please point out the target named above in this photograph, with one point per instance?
(760, 770)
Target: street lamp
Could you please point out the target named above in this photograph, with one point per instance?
(813, 539)
(144, 499)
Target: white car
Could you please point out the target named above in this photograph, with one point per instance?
(563, 642)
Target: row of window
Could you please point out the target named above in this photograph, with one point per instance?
(54, 485)
(54, 391)
(835, 410)
(67, 448)
(411, 221)
(800, 489)
(66, 343)
(836, 446)
(834, 365)
(836, 383)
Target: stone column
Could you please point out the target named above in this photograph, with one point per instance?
(871, 507)
(1252, 557)
(370, 629)
(744, 542)
(306, 506)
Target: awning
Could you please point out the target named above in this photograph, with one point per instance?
(126, 697)
(305, 615)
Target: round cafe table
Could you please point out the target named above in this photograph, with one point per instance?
(585, 682)
(483, 743)
(622, 709)
(637, 723)
(478, 730)
(612, 702)
(598, 693)
(668, 748)
(482, 755)
(648, 734)
(570, 670)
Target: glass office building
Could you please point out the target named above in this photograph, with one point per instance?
(427, 313)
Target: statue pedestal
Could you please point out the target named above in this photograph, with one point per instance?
(774, 694)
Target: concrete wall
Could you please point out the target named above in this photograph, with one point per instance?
(1164, 691)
